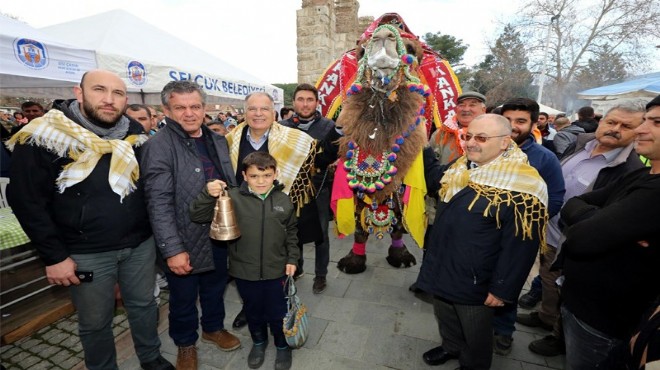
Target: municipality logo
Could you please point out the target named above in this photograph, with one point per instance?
(31, 53)
(136, 73)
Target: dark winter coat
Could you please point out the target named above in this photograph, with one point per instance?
(470, 256)
(87, 217)
(610, 278)
(174, 176)
(268, 240)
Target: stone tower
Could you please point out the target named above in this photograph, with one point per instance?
(326, 29)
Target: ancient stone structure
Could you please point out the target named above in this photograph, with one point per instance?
(326, 29)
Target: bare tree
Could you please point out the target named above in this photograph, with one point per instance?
(585, 28)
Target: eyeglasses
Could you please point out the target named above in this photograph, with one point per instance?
(478, 138)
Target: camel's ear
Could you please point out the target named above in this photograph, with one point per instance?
(414, 47)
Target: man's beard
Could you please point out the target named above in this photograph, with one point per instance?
(92, 114)
(306, 118)
(522, 137)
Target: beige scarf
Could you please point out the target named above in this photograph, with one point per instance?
(57, 133)
(508, 179)
(294, 152)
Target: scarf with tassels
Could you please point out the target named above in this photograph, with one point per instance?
(62, 136)
(507, 180)
(294, 152)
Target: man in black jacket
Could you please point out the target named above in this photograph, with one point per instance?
(487, 231)
(315, 216)
(612, 254)
(76, 191)
(178, 162)
(599, 159)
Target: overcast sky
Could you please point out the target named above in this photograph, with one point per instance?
(259, 36)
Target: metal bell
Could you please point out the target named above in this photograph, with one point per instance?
(224, 225)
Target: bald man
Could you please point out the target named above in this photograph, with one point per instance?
(86, 216)
(489, 224)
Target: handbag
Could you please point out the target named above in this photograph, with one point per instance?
(295, 323)
(224, 225)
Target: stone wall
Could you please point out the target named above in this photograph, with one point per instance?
(325, 30)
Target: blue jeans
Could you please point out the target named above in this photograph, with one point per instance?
(586, 347)
(265, 305)
(133, 269)
(504, 320)
(209, 286)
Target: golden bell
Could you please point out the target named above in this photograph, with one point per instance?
(224, 225)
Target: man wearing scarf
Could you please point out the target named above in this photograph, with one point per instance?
(315, 216)
(76, 190)
(488, 228)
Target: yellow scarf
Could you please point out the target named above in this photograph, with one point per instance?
(57, 133)
(294, 152)
(508, 179)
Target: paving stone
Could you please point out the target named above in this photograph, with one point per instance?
(336, 309)
(71, 341)
(59, 338)
(28, 361)
(70, 362)
(38, 348)
(393, 350)
(29, 344)
(68, 326)
(51, 332)
(417, 325)
(344, 339)
(43, 365)
(61, 356)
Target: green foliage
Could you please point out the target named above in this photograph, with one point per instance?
(606, 67)
(503, 74)
(448, 46)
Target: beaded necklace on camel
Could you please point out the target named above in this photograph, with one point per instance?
(367, 172)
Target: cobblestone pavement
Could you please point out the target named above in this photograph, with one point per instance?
(366, 321)
(57, 346)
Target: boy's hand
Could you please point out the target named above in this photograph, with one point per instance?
(290, 269)
(215, 187)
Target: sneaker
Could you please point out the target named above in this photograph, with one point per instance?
(186, 358)
(223, 339)
(161, 281)
(257, 355)
(159, 363)
(283, 359)
(319, 285)
(548, 346)
(529, 300)
(502, 345)
(532, 320)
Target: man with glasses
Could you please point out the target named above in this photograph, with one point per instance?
(487, 230)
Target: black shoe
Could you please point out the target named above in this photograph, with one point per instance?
(529, 300)
(437, 356)
(533, 320)
(283, 359)
(548, 346)
(298, 274)
(413, 288)
(320, 284)
(159, 363)
(240, 320)
(257, 355)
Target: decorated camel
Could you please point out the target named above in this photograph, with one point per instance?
(384, 93)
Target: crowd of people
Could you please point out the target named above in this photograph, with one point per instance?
(123, 191)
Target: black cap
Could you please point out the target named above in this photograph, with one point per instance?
(653, 103)
(471, 95)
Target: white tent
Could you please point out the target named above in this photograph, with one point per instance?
(147, 58)
(33, 63)
(549, 110)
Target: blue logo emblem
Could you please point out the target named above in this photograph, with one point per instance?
(136, 73)
(31, 53)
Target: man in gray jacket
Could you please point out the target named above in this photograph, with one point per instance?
(177, 163)
(565, 136)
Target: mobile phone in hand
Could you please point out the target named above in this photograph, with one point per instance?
(85, 276)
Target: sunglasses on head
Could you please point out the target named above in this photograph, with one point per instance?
(478, 138)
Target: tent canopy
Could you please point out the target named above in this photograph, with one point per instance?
(34, 63)
(645, 85)
(549, 110)
(147, 58)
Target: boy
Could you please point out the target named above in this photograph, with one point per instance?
(265, 252)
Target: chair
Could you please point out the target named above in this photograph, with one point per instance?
(3, 192)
